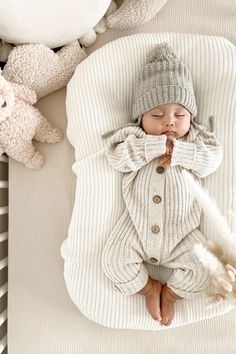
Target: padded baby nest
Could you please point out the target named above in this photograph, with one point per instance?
(99, 100)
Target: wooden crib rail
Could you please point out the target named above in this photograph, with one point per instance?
(3, 252)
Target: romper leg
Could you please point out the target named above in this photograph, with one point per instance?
(123, 257)
(189, 277)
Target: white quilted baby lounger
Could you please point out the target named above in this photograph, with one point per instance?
(99, 100)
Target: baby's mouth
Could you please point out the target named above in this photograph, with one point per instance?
(169, 133)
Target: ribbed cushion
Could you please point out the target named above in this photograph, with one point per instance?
(99, 100)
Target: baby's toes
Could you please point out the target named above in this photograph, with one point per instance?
(166, 321)
(167, 311)
(153, 306)
(165, 318)
(153, 301)
(156, 315)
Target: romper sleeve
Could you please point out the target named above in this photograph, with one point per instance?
(131, 148)
(202, 156)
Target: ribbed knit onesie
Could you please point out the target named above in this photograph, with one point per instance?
(161, 219)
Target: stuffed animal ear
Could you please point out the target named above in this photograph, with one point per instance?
(39, 68)
(134, 13)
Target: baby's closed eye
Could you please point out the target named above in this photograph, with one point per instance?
(157, 115)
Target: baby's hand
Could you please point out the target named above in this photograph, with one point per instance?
(169, 147)
(166, 158)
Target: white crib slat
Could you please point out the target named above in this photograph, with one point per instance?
(3, 317)
(3, 263)
(3, 210)
(3, 343)
(3, 236)
(3, 184)
(3, 289)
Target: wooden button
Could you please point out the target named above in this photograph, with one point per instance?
(160, 169)
(156, 199)
(155, 229)
(153, 260)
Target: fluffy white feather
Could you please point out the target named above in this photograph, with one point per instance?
(225, 238)
(220, 257)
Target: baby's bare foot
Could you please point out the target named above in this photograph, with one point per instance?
(168, 298)
(153, 300)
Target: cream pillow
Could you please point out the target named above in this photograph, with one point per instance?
(53, 23)
(98, 100)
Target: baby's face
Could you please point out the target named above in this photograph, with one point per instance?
(170, 119)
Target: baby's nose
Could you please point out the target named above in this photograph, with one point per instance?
(170, 121)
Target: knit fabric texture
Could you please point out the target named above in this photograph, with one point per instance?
(161, 215)
(164, 79)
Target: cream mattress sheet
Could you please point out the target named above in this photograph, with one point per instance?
(41, 316)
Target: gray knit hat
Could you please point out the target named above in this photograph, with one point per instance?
(165, 79)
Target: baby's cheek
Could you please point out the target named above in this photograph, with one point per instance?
(186, 126)
(184, 130)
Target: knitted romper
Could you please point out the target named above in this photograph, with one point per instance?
(161, 219)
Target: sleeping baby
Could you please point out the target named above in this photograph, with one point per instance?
(161, 219)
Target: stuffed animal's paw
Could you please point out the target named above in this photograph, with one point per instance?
(47, 133)
(101, 26)
(54, 135)
(88, 38)
(35, 162)
(134, 12)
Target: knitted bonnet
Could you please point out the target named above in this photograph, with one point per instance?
(164, 79)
